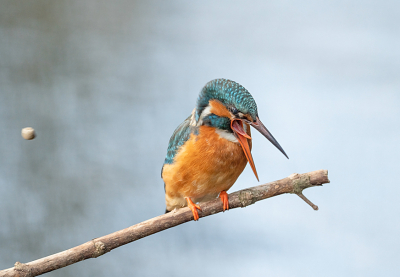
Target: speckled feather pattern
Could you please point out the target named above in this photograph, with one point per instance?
(229, 93)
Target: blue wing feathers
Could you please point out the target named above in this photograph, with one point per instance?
(178, 138)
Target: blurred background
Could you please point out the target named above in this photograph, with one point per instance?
(106, 83)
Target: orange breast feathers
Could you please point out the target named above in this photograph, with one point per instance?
(203, 167)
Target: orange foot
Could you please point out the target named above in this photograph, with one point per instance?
(194, 208)
(225, 202)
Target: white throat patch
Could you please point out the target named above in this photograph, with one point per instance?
(222, 133)
(227, 135)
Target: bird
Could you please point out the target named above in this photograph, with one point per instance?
(210, 149)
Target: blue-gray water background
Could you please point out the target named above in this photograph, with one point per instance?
(105, 84)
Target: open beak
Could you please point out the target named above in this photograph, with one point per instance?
(264, 131)
(242, 136)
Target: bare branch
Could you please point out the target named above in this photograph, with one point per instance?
(295, 183)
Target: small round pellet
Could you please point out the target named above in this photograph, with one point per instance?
(28, 133)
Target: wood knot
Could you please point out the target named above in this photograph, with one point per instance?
(100, 249)
(23, 270)
(246, 198)
(300, 182)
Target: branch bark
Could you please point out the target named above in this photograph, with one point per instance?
(295, 183)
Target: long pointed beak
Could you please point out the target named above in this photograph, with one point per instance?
(242, 136)
(264, 131)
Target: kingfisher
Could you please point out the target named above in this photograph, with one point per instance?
(209, 150)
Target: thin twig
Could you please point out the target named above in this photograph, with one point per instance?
(315, 207)
(295, 183)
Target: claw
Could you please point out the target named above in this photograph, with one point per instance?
(194, 208)
(225, 202)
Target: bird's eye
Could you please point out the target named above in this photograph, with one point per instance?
(234, 110)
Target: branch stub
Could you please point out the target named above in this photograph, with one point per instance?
(23, 270)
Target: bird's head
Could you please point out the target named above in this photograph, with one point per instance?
(231, 105)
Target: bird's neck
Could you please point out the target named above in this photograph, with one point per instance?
(215, 114)
(218, 122)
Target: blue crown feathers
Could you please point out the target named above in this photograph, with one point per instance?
(229, 93)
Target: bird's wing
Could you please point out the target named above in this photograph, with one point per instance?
(178, 138)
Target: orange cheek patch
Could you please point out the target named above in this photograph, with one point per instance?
(249, 118)
(219, 109)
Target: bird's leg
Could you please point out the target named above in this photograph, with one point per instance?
(225, 202)
(194, 208)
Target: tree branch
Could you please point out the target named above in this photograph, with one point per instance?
(295, 183)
